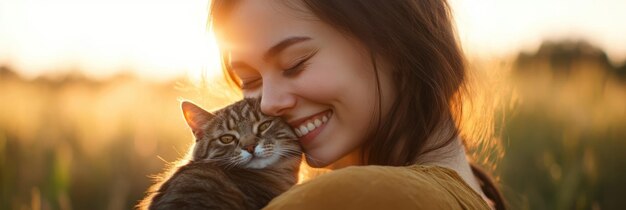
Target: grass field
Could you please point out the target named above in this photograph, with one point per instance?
(75, 143)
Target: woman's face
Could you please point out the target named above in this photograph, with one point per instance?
(318, 79)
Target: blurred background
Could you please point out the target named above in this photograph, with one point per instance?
(90, 91)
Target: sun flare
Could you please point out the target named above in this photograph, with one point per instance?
(156, 40)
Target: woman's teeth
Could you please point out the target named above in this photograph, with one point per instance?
(312, 124)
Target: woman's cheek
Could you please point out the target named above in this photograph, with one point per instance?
(317, 84)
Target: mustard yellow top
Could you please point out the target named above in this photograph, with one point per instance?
(382, 187)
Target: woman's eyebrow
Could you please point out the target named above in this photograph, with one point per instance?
(273, 51)
(277, 48)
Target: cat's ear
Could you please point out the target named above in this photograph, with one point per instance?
(196, 117)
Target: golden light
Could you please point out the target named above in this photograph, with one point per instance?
(307, 173)
(500, 28)
(166, 38)
(154, 39)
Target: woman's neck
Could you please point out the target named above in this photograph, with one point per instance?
(453, 156)
(351, 159)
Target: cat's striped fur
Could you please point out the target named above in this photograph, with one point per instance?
(222, 173)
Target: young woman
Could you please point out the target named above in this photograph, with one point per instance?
(373, 84)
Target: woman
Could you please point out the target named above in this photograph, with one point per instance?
(363, 83)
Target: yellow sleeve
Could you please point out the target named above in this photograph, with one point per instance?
(368, 187)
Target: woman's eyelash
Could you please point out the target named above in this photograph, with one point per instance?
(299, 66)
(287, 72)
(250, 84)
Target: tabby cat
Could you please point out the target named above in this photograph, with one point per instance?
(241, 160)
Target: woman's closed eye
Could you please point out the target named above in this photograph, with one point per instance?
(247, 84)
(295, 69)
(301, 65)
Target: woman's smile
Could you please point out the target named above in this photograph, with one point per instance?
(309, 127)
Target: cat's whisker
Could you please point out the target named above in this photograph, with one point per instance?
(290, 149)
(240, 161)
(289, 154)
(286, 149)
(297, 152)
(231, 164)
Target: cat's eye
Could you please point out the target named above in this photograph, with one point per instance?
(227, 139)
(264, 126)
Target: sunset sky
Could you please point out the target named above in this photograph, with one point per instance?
(159, 39)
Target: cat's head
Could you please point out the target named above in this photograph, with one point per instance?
(240, 135)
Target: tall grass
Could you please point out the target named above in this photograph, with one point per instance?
(76, 143)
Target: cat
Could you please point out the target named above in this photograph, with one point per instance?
(241, 160)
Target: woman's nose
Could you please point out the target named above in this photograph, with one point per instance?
(276, 99)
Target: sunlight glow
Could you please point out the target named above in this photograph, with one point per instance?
(490, 28)
(307, 173)
(155, 39)
(161, 39)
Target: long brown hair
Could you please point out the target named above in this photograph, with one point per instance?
(417, 39)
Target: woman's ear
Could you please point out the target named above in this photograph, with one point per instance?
(196, 117)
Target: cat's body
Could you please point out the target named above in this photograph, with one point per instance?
(199, 185)
(255, 158)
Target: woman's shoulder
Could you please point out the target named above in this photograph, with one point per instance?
(382, 187)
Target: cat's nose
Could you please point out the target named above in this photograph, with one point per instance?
(250, 148)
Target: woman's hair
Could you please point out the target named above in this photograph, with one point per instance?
(416, 38)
